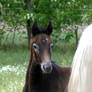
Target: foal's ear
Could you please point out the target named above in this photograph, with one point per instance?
(49, 28)
(35, 29)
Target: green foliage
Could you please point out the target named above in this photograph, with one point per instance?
(67, 35)
(60, 12)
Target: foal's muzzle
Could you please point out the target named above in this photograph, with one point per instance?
(46, 67)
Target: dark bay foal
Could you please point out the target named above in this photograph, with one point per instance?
(43, 75)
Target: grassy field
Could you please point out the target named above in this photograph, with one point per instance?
(14, 61)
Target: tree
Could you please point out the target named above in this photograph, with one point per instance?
(62, 13)
(28, 7)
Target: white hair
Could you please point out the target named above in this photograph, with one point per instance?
(81, 75)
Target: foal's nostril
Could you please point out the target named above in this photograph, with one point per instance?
(48, 68)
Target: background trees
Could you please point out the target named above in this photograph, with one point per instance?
(66, 16)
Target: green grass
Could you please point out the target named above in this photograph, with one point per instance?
(13, 65)
(14, 61)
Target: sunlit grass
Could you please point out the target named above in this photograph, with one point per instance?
(12, 78)
(13, 65)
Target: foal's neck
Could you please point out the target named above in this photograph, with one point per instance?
(35, 69)
(41, 82)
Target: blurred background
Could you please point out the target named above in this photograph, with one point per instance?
(69, 19)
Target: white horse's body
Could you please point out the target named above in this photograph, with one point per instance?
(81, 76)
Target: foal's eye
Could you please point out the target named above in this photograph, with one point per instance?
(51, 45)
(36, 47)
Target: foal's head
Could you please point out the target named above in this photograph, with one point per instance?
(41, 47)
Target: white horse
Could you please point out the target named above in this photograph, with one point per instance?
(81, 75)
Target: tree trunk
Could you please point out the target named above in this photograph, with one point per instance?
(13, 39)
(27, 6)
(76, 35)
(28, 32)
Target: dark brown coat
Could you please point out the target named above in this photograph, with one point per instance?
(56, 81)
